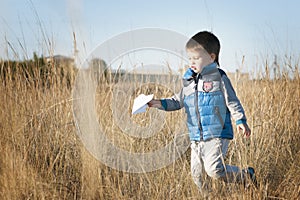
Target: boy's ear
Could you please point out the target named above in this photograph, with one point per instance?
(213, 56)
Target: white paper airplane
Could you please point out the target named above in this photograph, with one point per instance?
(140, 103)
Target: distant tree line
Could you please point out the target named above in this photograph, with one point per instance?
(39, 71)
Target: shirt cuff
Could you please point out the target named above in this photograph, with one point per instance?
(240, 121)
(164, 103)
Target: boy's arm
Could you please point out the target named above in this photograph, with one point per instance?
(168, 104)
(235, 107)
(233, 103)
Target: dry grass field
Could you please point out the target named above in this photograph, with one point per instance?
(43, 158)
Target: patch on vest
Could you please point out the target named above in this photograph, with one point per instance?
(207, 86)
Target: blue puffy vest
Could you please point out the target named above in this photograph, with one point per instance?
(207, 113)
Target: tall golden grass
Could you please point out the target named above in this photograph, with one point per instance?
(42, 157)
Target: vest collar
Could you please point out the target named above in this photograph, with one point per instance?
(208, 69)
(190, 76)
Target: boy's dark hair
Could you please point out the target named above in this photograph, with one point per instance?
(208, 41)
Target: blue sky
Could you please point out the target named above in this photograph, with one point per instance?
(256, 30)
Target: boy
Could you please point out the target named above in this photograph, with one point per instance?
(210, 102)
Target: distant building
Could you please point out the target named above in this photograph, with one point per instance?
(59, 59)
(145, 74)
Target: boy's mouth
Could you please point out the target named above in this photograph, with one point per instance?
(193, 67)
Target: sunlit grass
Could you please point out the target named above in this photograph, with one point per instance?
(42, 157)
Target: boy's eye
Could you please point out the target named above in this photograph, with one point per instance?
(194, 58)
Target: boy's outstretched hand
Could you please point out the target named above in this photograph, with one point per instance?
(245, 128)
(155, 103)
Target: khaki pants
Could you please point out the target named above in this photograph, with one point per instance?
(209, 156)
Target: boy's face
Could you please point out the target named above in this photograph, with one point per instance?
(199, 59)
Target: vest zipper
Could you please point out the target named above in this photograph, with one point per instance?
(197, 107)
